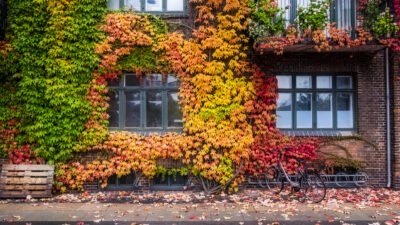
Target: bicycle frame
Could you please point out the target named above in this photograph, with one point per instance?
(282, 170)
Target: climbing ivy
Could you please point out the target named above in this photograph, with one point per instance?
(51, 66)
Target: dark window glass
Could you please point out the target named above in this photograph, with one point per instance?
(160, 180)
(113, 110)
(132, 80)
(132, 109)
(154, 109)
(169, 180)
(178, 180)
(344, 82)
(112, 180)
(121, 183)
(174, 110)
(126, 180)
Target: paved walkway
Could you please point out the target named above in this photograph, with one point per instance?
(93, 213)
(359, 206)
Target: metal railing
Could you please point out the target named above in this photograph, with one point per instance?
(342, 12)
(339, 180)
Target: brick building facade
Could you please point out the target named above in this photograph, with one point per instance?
(366, 65)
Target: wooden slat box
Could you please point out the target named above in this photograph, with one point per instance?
(18, 181)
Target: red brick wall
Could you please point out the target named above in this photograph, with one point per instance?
(395, 72)
(371, 113)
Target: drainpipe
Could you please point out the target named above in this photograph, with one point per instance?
(388, 141)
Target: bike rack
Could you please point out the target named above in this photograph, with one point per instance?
(340, 180)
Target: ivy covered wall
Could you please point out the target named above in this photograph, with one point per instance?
(48, 72)
(60, 56)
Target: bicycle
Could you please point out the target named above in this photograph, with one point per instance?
(309, 182)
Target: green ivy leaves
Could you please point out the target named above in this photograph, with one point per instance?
(53, 55)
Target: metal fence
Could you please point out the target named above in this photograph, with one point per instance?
(342, 12)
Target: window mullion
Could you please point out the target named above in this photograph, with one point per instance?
(164, 5)
(143, 113)
(164, 113)
(121, 108)
(334, 109)
(293, 12)
(314, 101)
(293, 92)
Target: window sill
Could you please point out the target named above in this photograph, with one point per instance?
(319, 133)
(149, 131)
(167, 188)
(167, 16)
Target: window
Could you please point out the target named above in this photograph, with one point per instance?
(3, 19)
(315, 102)
(342, 12)
(152, 6)
(169, 182)
(126, 182)
(151, 104)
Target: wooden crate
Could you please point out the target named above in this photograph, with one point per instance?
(18, 181)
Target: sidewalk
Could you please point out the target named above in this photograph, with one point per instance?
(261, 210)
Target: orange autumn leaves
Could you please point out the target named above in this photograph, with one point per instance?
(222, 115)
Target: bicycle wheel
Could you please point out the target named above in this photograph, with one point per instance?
(274, 180)
(262, 180)
(360, 179)
(313, 187)
(341, 179)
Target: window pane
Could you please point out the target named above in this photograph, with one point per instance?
(344, 14)
(126, 180)
(160, 180)
(344, 82)
(284, 81)
(175, 5)
(304, 110)
(324, 82)
(154, 80)
(324, 110)
(113, 5)
(344, 105)
(132, 109)
(153, 5)
(113, 110)
(303, 82)
(154, 109)
(132, 80)
(112, 180)
(174, 110)
(133, 4)
(284, 111)
(178, 180)
(303, 3)
(172, 81)
(285, 6)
